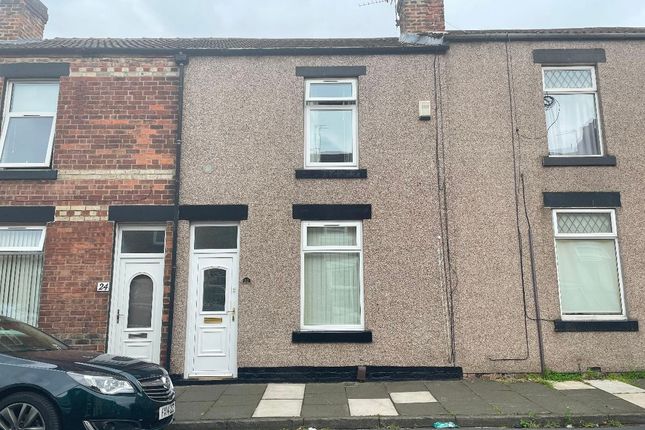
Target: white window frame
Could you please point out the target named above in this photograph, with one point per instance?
(139, 227)
(311, 104)
(195, 225)
(20, 249)
(7, 115)
(595, 236)
(593, 90)
(305, 249)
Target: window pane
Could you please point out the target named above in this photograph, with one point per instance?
(332, 289)
(20, 238)
(140, 304)
(331, 136)
(224, 237)
(572, 122)
(214, 298)
(330, 90)
(20, 278)
(584, 223)
(568, 79)
(27, 140)
(142, 242)
(34, 97)
(588, 274)
(331, 236)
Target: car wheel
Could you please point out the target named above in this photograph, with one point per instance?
(31, 411)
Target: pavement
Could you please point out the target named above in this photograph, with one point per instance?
(413, 404)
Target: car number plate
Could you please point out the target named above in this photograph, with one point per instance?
(166, 411)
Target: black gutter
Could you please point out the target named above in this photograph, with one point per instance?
(527, 37)
(181, 60)
(229, 52)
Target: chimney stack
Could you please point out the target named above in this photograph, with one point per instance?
(421, 21)
(22, 19)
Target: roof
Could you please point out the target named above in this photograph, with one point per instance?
(242, 46)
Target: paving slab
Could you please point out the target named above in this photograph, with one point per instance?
(371, 407)
(401, 387)
(285, 392)
(421, 409)
(636, 398)
(640, 383)
(244, 389)
(484, 387)
(469, 407)
(225, 400)
(201, 393)
(325, 399)
(531, 388)
(192, 411)
(325, 411)
(512, 403)
(413, 397)
(451, 390)
(324, 388)
(367, 390)
(603, 402)
(614, 387)
(218, 412)
(277, 408)
(572, 385)
(560, 404)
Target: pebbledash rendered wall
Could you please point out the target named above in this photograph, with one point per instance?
(114, 145)
(244, 138)
(244, 123)
(490, 316)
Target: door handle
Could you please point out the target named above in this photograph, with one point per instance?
(233, 314)
(118, 315)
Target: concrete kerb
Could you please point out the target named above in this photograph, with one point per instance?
(509, 421)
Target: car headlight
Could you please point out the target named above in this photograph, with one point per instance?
(102, 383)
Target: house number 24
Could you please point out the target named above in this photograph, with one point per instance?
(103, 287)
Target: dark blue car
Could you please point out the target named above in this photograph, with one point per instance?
(44, 385)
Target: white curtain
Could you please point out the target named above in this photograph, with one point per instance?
(588, 273)
(332, 289)
(332, 279)
(20, 278)
(573, 125)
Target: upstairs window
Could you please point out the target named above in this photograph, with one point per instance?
(588, 263)
(28, 123)
(571, 104)
(331, 124)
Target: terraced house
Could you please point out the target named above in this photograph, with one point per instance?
(422, 206)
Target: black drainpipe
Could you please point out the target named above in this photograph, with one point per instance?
(181, 60)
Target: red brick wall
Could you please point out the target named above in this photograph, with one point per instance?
(421, 16)
(114, 145)
(22, 19)
(77, 256)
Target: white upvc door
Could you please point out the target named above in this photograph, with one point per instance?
(137, 294)
(212, 326)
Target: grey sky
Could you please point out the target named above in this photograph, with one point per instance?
(317, 18)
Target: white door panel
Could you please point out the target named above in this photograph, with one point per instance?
(136, 307)
(213, 325)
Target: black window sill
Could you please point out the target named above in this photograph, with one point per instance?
(595, 326)
(605, 160)
(28, 175)
(331, 337)
(331, 174)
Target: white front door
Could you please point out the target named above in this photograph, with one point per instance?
(137, 294)
(212, 330)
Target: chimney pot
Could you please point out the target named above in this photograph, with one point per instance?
(22, 19)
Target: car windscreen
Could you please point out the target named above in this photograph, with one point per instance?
(20, 337)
